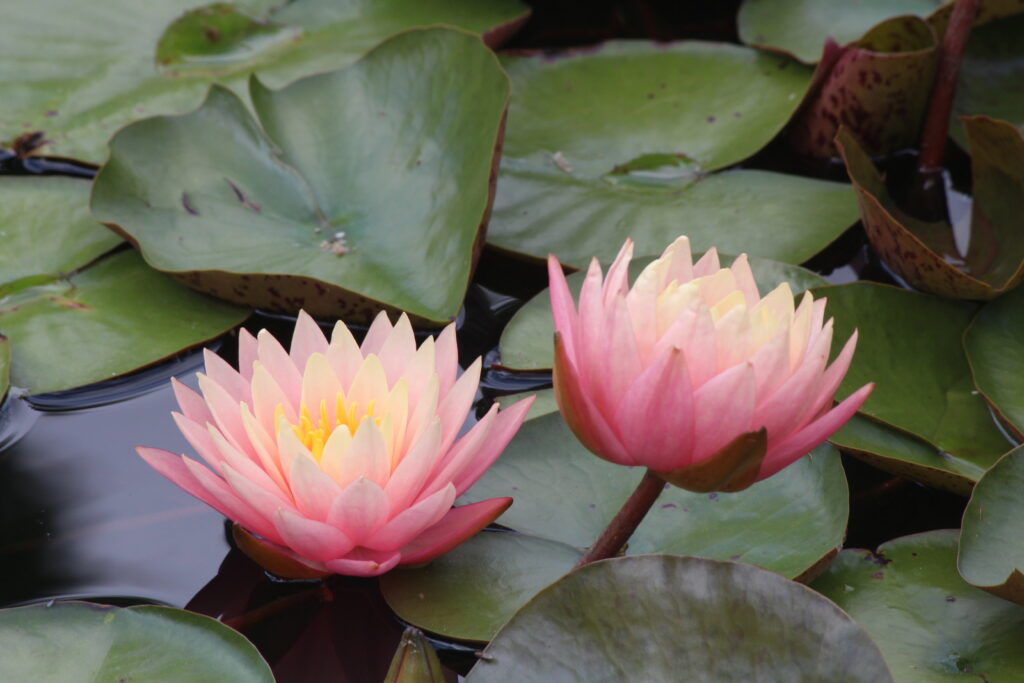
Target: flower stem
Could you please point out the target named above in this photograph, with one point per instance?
(625, 522)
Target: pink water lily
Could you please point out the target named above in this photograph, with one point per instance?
(692, 373)
(338, 457)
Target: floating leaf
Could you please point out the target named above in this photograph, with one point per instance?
(924, 389)
(623, 140)
(666, 618)
(5, 366)
(991, 74)
(877, 87)
(68, 642)
(334, 201)
(120, 60)
(991, 555)
(109, 319)
(924, 253)
(995, 349)
(526, 342)
(801, 27)
(929, 624)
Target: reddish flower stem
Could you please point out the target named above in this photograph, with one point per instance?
(936, 125)
(625, 522)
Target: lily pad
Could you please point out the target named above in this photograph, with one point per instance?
(991, 555)
(665, 618)
(877, 86)
(991, 75)
(930, 625)
(335, 200)
(5, 366)
(801, 27)
(924, 389)
(924, 253)
(471, 591)
(526, 342)
(995, 349)
(119, 61)
(109, 319)
(624, 140)
(71, 642)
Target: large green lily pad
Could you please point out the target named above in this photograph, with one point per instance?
(991, 75)
(106, 64)
(342, 199)
(666, 618)
(924, 253)
(800, 27)
(991, 555)
(924, 389)
(107, 320)
(995, 349)
(624, 139)
(526, 342)
(930, 625)
(79, 642)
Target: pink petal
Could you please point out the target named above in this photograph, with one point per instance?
(310, 538)
(320, 387)
(398, 349)
(723, 409)
(590, 349)
(563, 308)
(617, 281)
(446, 353)
(455, 406)
(360, 509)
(408, 524)
(247, 353)
(243, 464)
(226, 376)
(226, 413)
(707, 265)
(307, 339)
(279, 364)
(380, 330)
(833, 376)
(457, 526)
(505, 427)
(367, 456)
(363, 562)
(314, 491)
(745, 280)
(460, 455)
(411, 474)
(344, 355)
(173, 467)
(259, 500)
(369, 384)
(199, 438)
(265, 447)
(622, 362)
(771, 364)
(267, 395)
(679, 262)
(192, 404)
(420, 369)
(238, 508)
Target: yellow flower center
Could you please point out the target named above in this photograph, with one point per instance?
(313, 431)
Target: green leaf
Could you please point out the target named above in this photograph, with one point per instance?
(109, 319)
(990, 75)
(800, 27)
(72, 642)
(929, 624)
(469, 592)
(666, 618)
(909, 345)
(526, 342)
(624, 139)
(120, 60)
(334, 200)
(991, 555)
(994, 343)
(5, 366)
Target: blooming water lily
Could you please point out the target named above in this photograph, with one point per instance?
(336, 457)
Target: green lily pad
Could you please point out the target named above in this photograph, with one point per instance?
(995, 349)
(877, 87)
(922, 388)
(120, 61)
(991, 555)
(526, 342)
(46, 229)
(334, 201)
(469, 592)
(109, 319)
(71, 642)
(624, 140)
(5, 366)
(924, 253)
(930, 625)
(665, 618)
(800, 27)
(991, 74)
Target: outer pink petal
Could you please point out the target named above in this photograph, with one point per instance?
(617, 281)
(593, 334)
(410, 522)
(563, 308)
(312, 539)
(745, 280)
(360, 509)
(267, 395)
(380, 330)
(344, 355)
(226, 414)
(461, 454)
(398, 349)
(680, 261)
(367, 456)
(457, 526)
(412, 472)
(833, 376)
(192, 404)
(362, 562)
(307, 339)
(173, 467)
(244, 464)
(260, 500)
(454, 407)
(279, 364)
(505, 427)
(813, 434)
(655, 418)
(199, 438)
(320, 385)
(223, 374)
(238, 508)
(708, 264)
(446, 352)
(723, 409)
(314, 491)
(622, 357)
(247, 353)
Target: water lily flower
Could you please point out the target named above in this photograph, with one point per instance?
(336, 457)
(691, 373)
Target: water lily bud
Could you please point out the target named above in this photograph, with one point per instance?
(335, 457)
(415, 660)
(692, 373)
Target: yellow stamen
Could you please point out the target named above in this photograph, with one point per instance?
(313, 434)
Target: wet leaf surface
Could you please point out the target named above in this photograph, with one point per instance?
(265, 213)
(930, 625)
(995, 349)
(663, 617)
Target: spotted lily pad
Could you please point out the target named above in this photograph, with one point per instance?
(80, 642)
(667, 618)
(120, 60)
(930, 625)
(626, 140)
(924, 253)
(995, 348)
(526, 342)
(342, 198)
(923, 388)
(991, 555)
